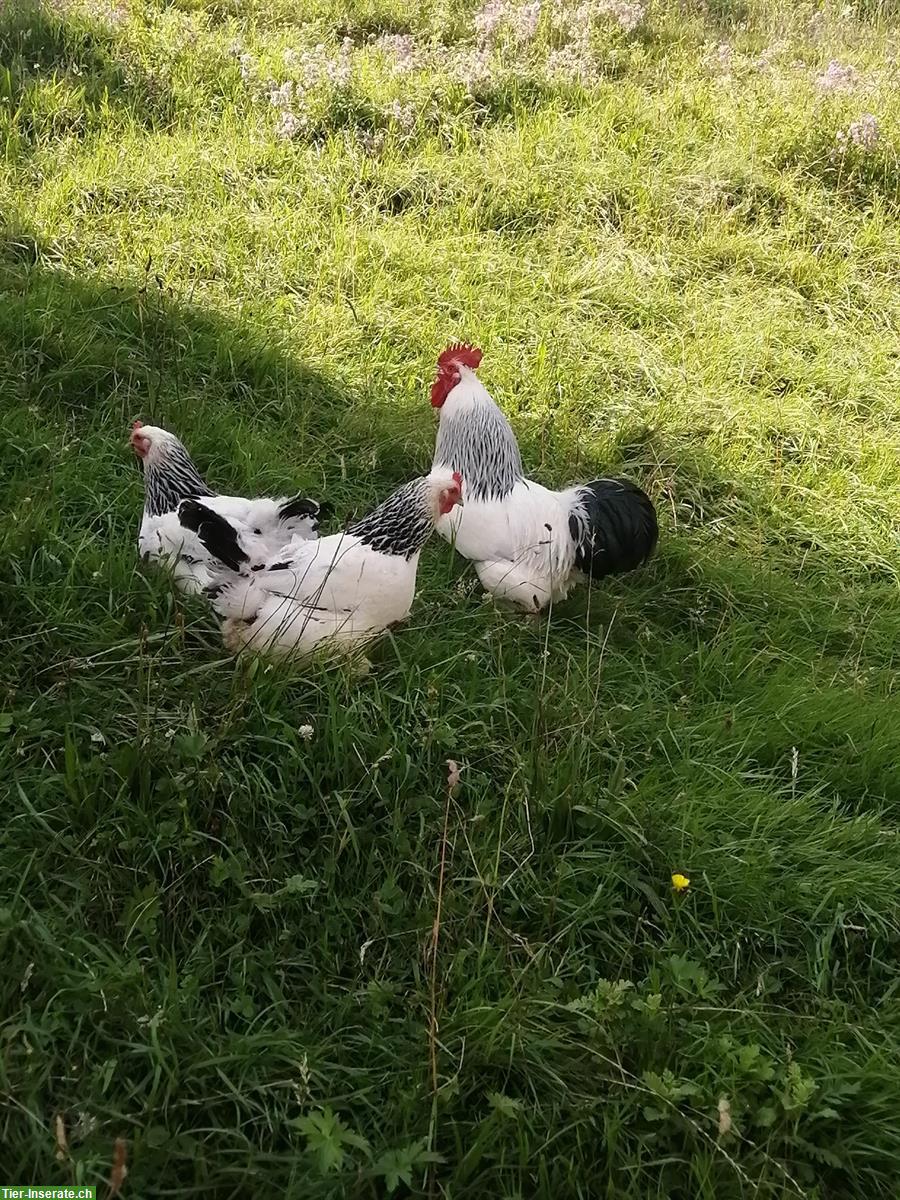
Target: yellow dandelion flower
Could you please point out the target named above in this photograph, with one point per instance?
(680, 883)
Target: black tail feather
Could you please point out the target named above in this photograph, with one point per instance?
(303, 506)
(214, 532)
(620, 531)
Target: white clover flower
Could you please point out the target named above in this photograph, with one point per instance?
(816, 23)
(573, 63)
(525, 20)
(401, 47)
(306, 732)
(289, 124)
(475, 68)
(489, 18)
(837, 77)
(720, 57)
(371, 141)
(315, 66)
(281, 97)
(403, 114)
(864, 132)
(764, 62)
(627, 15)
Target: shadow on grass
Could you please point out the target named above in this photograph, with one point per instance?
(101, 353)
(80, 359)
(60, 74)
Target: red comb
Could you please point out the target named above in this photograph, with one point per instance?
(457, 479)
(461, 354)
(137, 425)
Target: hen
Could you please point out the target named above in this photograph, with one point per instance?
(529, 544)
(262, 526)
(343, 589)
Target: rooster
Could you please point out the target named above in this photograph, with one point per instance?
(343, 589)
(530, 545)
(263, 526)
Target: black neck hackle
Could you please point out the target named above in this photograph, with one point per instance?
(477, 440)
(402, 524)
(170, 478)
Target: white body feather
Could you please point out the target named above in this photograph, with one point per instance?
(520, 545)
(519, 541)
(337, 589)
(260, 531)
(345, 589)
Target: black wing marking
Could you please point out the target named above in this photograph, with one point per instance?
(302, 506)
(216, 534)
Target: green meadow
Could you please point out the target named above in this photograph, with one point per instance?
(252, 943)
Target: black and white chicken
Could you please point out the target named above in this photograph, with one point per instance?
(343, 589)
(262, 526)
(529, 544)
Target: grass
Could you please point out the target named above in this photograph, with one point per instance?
(220, 941)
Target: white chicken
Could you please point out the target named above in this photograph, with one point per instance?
(343, 589)
(262, 526)
(529, 544)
